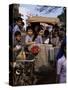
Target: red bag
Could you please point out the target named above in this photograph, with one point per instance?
(35, 50)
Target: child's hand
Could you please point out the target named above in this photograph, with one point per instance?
(33, 42)
(18, 47)
(30, 43)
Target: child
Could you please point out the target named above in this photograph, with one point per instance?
(38, 37)
(17, 41)
(29, 36)
(17, 45)
(61, 65)
(46, 35)
(32, 39)
(28, 40)
(41, 33)
(18, 25)
(55, 39)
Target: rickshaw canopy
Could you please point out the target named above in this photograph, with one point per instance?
(40, 19)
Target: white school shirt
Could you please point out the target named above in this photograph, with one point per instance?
(61, 69)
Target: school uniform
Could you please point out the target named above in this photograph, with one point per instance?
(61, 69)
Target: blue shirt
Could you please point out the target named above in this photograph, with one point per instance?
(16, 28)
(38, 40)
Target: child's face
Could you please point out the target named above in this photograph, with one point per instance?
(19, 22)
(30, 32)
(18, 37)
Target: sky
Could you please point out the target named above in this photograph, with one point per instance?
(27, 9)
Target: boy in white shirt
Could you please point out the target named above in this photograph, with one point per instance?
(61, 66)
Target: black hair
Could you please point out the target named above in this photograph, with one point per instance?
(39, 27)
(46, 33)
(62, 29)
(17, 33)
(23, 23)
(28, 27)
(18, 19)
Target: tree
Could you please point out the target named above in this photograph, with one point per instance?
(62, 17)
